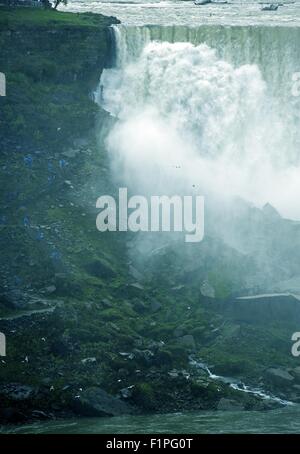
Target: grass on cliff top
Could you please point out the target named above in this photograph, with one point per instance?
(31, 17)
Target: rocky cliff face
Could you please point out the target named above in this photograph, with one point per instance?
(52, 62)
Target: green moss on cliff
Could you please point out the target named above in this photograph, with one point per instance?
(11, 18)
(52, 62)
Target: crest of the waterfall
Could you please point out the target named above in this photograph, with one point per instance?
(130, 41)
(189, 121)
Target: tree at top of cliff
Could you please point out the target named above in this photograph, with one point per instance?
(57, 2)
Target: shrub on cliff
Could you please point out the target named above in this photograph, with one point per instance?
(58, 2)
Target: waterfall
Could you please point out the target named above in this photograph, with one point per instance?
(274, 49)
(208, 107)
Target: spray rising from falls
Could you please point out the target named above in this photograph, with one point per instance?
(191, 121)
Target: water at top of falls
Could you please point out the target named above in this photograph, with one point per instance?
(179, 12)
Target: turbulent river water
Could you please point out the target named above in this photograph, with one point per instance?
(217, 88)
(285, 420)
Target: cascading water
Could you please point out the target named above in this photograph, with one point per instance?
(208, 110)
(238, 385)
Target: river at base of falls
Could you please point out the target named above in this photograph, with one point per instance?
(283, 420)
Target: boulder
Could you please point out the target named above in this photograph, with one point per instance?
(139, 306)
(229, 405)
(11, 415)
(279, 377)
(91, 360)
(96, 402)
(137, 275)
(296, 374)
(40, 415)
(178, 332)
(13, 299)
(100, 268)
(17, 392)
(263, 308)
(49, 290)
(106, 303)
(126, 393)
(61, 347)
(81, 142)
(155, 306)
(207, 290)
(188, 341)
(136, 287)
(143, 356)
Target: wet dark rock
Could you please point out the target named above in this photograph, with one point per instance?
(296, 374)
(11, 415)
(263, 308)
(96, 402)
(106, 303)
(155, 306)
(173, 373)
(178, 332)
(65, 313)
(137, 275)
(71, 153)
(61, 347)
(279, 377)
(267, 404)
(143, 356)
(155, 346)
(137, 287)
(49, 290)
(139, 306)
(17, 392)
(178, 288)
(66, 286)
(81, 143)
(100, 268)
(123, 373)
(127, 355)
(187, 341)
(126, 393)
(13, 299)
(229, 405)
(40, 415)
(91, 360)
(46, 381)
